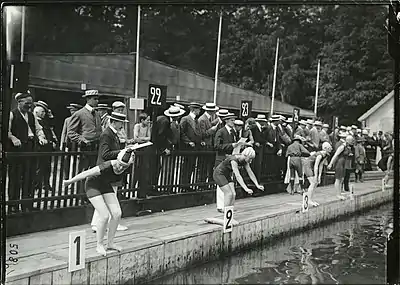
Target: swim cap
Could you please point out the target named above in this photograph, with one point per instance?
(249, 152)
(326, 146)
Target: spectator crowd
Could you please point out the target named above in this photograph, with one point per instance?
(201, 127)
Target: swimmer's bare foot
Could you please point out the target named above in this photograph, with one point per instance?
(101, 250)
(113, 246)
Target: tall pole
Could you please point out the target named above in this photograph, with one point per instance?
(23, 34)
(137, 59)
(274, 83)
(316, 90)
(217, 60)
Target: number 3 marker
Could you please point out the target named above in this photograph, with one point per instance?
(228, 217)
(77, 246)
(305, 202)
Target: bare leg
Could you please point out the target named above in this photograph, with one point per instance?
(310, 191)
(338, 187)
(100, 206)
(233, 197)
(115, 210)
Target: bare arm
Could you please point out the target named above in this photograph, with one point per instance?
(239, 177)
(337, 153)
(95, 171)
(251, 174)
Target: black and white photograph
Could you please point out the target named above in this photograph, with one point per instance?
(200, 143)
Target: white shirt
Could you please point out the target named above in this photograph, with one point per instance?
(192, 115)
(89, 108)
(39, 129)
(112, 128)
(259, 126)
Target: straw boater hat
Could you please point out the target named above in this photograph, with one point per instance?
(174, 111)
(302, 122)
(348, 129)
(102, 106)
(354, 127)
(239, 123)
(91, 93)
(358, 130)
(43, 105)
(179, 106)
(210, 107)
(364, 132)
(298, 138)
(118, 117)
(195, 105)
(343, 128)
(318, 123)
(325, 126)
(309, 122)
(118, 104)
(289, 120)
(261, 118)
(74, 106)
(22, 95)
(222, 113)
(275, 118)
(229, 116)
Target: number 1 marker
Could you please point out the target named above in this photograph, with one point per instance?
(77, 246)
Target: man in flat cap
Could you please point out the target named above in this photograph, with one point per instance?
(23, 133)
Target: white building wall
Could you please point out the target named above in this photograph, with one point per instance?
(383, 118)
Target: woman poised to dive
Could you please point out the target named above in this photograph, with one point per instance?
(101, 195)
(313, 166)
(223, 177)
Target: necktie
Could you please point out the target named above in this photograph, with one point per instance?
(233, 135)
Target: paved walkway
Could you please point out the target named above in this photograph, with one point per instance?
(42, 250)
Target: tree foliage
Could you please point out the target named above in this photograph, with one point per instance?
(350, 41)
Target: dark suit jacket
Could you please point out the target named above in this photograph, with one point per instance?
(175, 134)
(190, 131)
(109, 146)
(223, 144)
(205, 129)
(273, 138)
(84, 125)
(161, 134)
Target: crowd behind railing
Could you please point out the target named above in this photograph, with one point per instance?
(187, 145)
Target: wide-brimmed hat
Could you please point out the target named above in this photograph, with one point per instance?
(118, 117)
(239, 123)
(302, 122)
(275, 118)
(318, 123)
(43, 105)
(118, 104)
(229, 116)
(261, 118)
(22, 95)
(102, 106)
(91, 93)
(74, 106)
(309, 122)
(210, 107)
(195, 105)
(174, 111)
(222, 113)
(325, 126)
(179, 106)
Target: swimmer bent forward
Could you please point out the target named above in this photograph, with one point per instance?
(101, 195)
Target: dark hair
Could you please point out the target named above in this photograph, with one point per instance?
(127, 155)
(142, 117)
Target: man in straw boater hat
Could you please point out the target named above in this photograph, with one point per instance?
(260, 140)
(119, 107)
(23, 133)
(103, 112)
(315, 135)
(109, 148)
(221, 113)
(208, 130)
(226, 140)
(85, 125)
(191, 140)
(300, 129)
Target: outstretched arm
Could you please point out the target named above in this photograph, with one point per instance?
(253, 177)
(337, 153)
(239, 177)
(95, 171)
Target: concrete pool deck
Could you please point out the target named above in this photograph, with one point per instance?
(163, 243)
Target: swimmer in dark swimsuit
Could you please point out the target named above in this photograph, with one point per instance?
(101, 195)
(223, 177)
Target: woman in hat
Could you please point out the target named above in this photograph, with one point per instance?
(223, 177)
(101, 194)
(360, 158)
(313, 167)
(338, 160)
(294, 153)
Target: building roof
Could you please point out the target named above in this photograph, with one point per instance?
(113, 74)
(376, 107)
